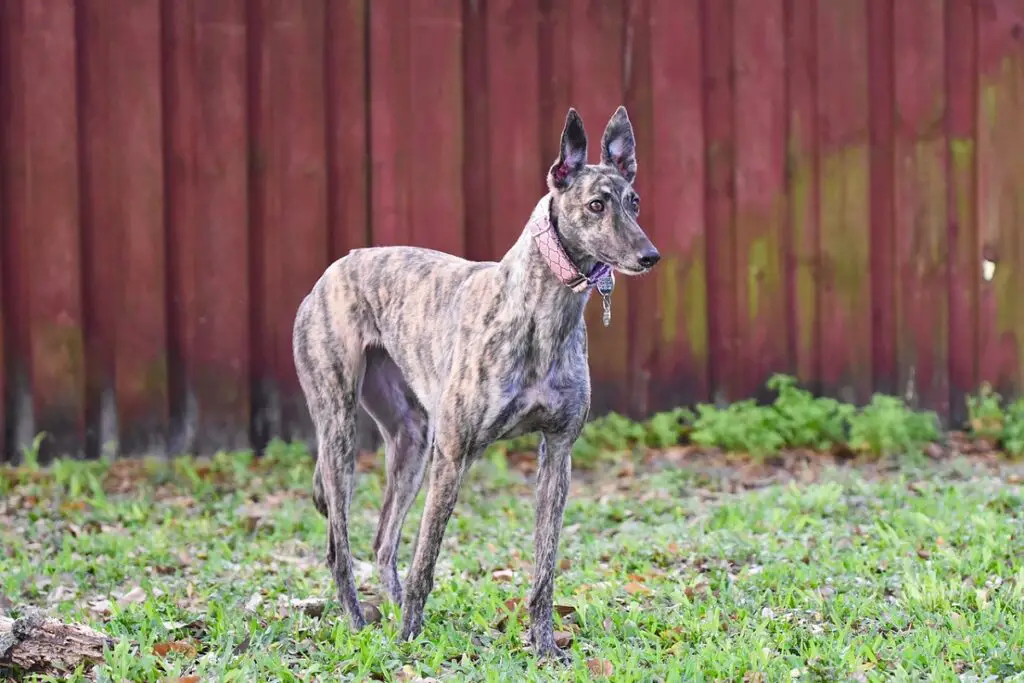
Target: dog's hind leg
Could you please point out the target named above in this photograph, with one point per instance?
(404, 425)
(330, 372)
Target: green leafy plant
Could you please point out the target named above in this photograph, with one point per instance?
(804, 421)
(985, 413)
(743, 426)
(887, 426)
(1013, 429)
(989, 419)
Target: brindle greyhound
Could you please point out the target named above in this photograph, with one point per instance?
(449, 355)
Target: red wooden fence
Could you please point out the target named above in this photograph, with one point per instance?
(824, 177)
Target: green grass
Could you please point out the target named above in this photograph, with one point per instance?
(914, 575)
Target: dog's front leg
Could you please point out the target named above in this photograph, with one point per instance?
(446, 470)
(553, 476)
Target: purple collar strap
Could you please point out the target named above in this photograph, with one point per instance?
(554, 254)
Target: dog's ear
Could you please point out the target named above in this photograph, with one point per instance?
(573, 155)
(618, 148)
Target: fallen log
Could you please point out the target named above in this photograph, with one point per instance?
(39, 644)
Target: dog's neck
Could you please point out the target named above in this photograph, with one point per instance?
(531, 284)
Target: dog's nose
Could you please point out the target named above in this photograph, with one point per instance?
(649, 258)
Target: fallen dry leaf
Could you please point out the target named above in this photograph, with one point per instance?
(182, 647)
(254, 601)
(406, 674)
(563, 639)
(101, 607)
(313, 607)
(699, 588)
(600, 667)
(513, 607)
(181, 679)
(134, 596)
(565, 611)
(565, 564)
(633, 588)
(371, 612)
(503, 575)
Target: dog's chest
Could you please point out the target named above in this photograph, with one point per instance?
(546, 405)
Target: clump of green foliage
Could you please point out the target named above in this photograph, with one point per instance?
(887, 426)
(796, 419)
(1001, 424)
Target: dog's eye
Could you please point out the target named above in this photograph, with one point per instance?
(597, 206)
(635, 204)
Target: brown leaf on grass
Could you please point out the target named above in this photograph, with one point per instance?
(513, 607)
(406, 674)
(313, 607)
(371, 612)
(565, 611)
(634, 588)
(563, 639)
(101, 607)
(181, 647)
(181, 679)
(503, 575)
(697, 589)
(924, 553)
(254, 601)
(133, 597)
(72, 506)
(600, 667)
(565, 564)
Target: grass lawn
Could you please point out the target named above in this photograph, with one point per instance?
(683, 573)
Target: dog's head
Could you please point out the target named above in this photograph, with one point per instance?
(596, 205)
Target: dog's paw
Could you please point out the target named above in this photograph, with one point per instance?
(552, 652)
(545, 648)
(412, 625)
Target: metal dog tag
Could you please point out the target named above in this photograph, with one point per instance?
(605, 285)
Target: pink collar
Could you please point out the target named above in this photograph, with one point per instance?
(554, 254)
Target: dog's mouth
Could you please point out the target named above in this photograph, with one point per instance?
(631, 269)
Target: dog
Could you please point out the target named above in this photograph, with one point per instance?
(449, 355)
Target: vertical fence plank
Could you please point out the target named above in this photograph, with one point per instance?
(964, 272)
(7, 95)
(41, 219)
(124, 218)
(643, 313)
(844, 167)
(760, 186)
(289, 168)
(1000, 159)
(437, 209)
(719, 129)
(597, 90)
(554, 66)
(673, 209)
(511, 164)
(389, 112)
(208, 244)
(348, 159)
(484, 239)
(881, 109)
(802, 190)
(922, 304)
(347, 125)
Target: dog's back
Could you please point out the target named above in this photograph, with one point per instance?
(405, 300)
